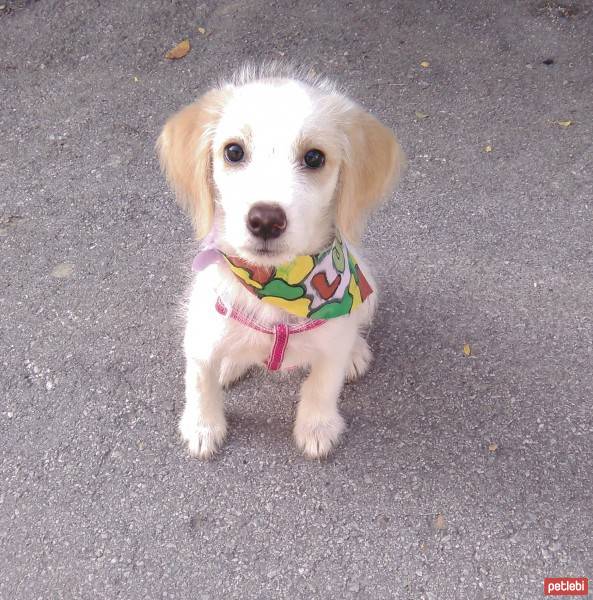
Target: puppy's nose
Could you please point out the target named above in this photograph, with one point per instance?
(266, 221)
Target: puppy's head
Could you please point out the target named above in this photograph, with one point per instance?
(276, 164)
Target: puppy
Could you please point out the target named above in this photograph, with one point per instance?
(278, 173)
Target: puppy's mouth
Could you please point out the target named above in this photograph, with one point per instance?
(264, 251)
(267, 252)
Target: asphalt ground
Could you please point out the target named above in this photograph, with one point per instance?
(462, 474)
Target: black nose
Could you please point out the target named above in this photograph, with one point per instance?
(266, 221)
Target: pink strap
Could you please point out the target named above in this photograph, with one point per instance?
(238, 316)
(281, 332)
(281, 335)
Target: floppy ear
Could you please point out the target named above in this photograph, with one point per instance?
(369, 171)
(184, 148)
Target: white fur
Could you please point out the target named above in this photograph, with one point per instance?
(276, 120)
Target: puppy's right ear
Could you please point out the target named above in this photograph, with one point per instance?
(184, 148)
(370, 169)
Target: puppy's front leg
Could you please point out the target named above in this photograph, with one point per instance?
(203, 425)
(318, 423)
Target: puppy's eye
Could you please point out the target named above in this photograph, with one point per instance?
(314, 159)
(234, 153)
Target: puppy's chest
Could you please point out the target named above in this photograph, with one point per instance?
(278, 350)
(225, 318)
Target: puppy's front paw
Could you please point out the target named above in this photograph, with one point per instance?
(203, 439)
(360, 360)
(315, 436)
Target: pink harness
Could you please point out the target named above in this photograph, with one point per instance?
(281, 333)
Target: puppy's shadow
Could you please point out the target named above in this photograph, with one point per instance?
(401, 338)
(422, 397)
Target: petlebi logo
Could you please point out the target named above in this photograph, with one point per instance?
(566, 586)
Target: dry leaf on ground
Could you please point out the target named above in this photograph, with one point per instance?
(440, 522)
(62, 271)
(179, 51)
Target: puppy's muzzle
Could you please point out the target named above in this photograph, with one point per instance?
(266, 221)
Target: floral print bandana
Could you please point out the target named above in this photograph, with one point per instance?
(320, 286)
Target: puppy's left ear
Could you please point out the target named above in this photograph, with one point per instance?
(184, 148)
(370, 170)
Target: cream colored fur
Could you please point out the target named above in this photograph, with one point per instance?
(276, 119)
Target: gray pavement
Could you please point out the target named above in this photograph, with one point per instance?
(459, 476)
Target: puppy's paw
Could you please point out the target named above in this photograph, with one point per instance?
(316, 436)
(203, 439)
(360, 360)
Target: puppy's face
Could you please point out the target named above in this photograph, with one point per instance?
(276, 165)
(276, 156)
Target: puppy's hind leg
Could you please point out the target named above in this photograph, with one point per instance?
(231, 372)
(360, 359)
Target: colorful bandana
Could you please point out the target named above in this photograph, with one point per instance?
(320, 286)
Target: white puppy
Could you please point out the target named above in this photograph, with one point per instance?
(274, 169)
